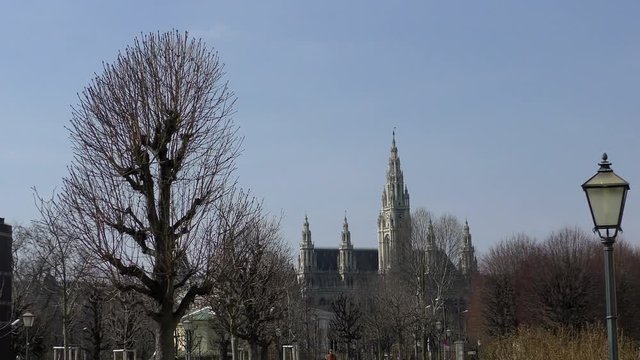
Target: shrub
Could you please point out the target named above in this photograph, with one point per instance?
(529, 343)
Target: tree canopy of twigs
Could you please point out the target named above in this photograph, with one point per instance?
(253, 277)
(154, 149)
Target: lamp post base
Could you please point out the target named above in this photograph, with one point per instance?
(610, 293)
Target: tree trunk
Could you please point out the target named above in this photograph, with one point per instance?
(253, 350)
(234, 347)
(278, 349)
(264, 352)
(347, 350)
(223, 349)
(165, 349)
(65, 350)
(424, 346)
(65, 314)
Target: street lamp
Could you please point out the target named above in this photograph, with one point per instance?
(439, 338)
(447, 340)
(606, 193)
(27, 320)
(186, 324)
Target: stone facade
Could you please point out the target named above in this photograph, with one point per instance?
(6, 263)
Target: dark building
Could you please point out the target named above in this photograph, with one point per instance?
(6, 263)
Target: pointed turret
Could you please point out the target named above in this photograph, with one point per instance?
(306, 258)
(346, 264)
(346, 234)
(467, 234)
(468, 262)
(394, 225)
(431, 236)
(431, 247)
(306, 234)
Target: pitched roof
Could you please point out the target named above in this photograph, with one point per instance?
(366, 260)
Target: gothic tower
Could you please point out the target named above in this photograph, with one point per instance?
(431, 250)
(306, 258)
(468, 263)
(346, 265)
(394, 221)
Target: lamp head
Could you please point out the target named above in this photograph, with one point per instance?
(606, 194)
(27, 319)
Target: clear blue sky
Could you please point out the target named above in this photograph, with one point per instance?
(502, 108)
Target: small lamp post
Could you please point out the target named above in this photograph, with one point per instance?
(439, 336)
(606, 193)
(27, 320)
(447, 349)
(187, 325)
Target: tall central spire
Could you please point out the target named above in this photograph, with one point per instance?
(394, 223)
(395, 192)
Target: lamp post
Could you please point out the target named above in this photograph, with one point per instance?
(27, 320)
(606, 193)
(186, 324)
(447, 349)
(439, 338)
(465, 312)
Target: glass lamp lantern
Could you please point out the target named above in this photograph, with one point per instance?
(186, 324)
(27, 319)
(606, 193)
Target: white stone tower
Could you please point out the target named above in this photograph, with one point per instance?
(431, 250)
(346, 264)
(306, 258)
(468, 263)
(394, 222)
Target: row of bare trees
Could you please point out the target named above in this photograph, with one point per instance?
(77, 307)
(556, 284)
(150, 217)
(397, 313)
(254, 281)
(385, 319)
(74, 307)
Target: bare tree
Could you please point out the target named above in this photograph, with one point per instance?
(423, 245)
(504, 267)
(154, 152)
(124, 321)
(628, 287)
(436, 248)
(94, 309)
(253, 277)
(56, 245)
(239, 212)
(397, 300)
(568, 279)
(28, 273)
(266, 279)
(437, 244)
(442, 273)
(554, 283)
(376, 325)
(346, 324)
(389, 313)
